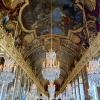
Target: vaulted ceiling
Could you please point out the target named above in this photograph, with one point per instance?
(73, 29)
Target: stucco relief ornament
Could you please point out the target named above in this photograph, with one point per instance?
(6, 41)
(10, 41)
(1, 33)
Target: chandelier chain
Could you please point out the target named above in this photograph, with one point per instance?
(51, 25)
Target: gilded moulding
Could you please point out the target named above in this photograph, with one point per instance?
(91, 52)
(7, 43)
(20, 20)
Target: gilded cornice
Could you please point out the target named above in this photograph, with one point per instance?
(20, 19)
(7, 43)
(90, 53)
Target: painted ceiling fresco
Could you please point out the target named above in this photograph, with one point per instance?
(75, 24)
(65, 16)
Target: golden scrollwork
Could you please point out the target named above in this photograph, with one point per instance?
(12, 4)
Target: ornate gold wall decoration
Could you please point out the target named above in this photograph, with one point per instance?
(7, 43)
(11, 4)
(93, 49)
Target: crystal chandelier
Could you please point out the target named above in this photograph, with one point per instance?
(69, 92)
(6, 75)
(94, 70)
(51, 90)
(34, 89)
(51, 70)
(32, 94)
(50, 66)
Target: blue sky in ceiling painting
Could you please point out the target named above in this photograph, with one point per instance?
(62, 2)
(57, 30)
(57, 16)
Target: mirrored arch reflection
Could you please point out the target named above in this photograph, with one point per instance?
(15, 84)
